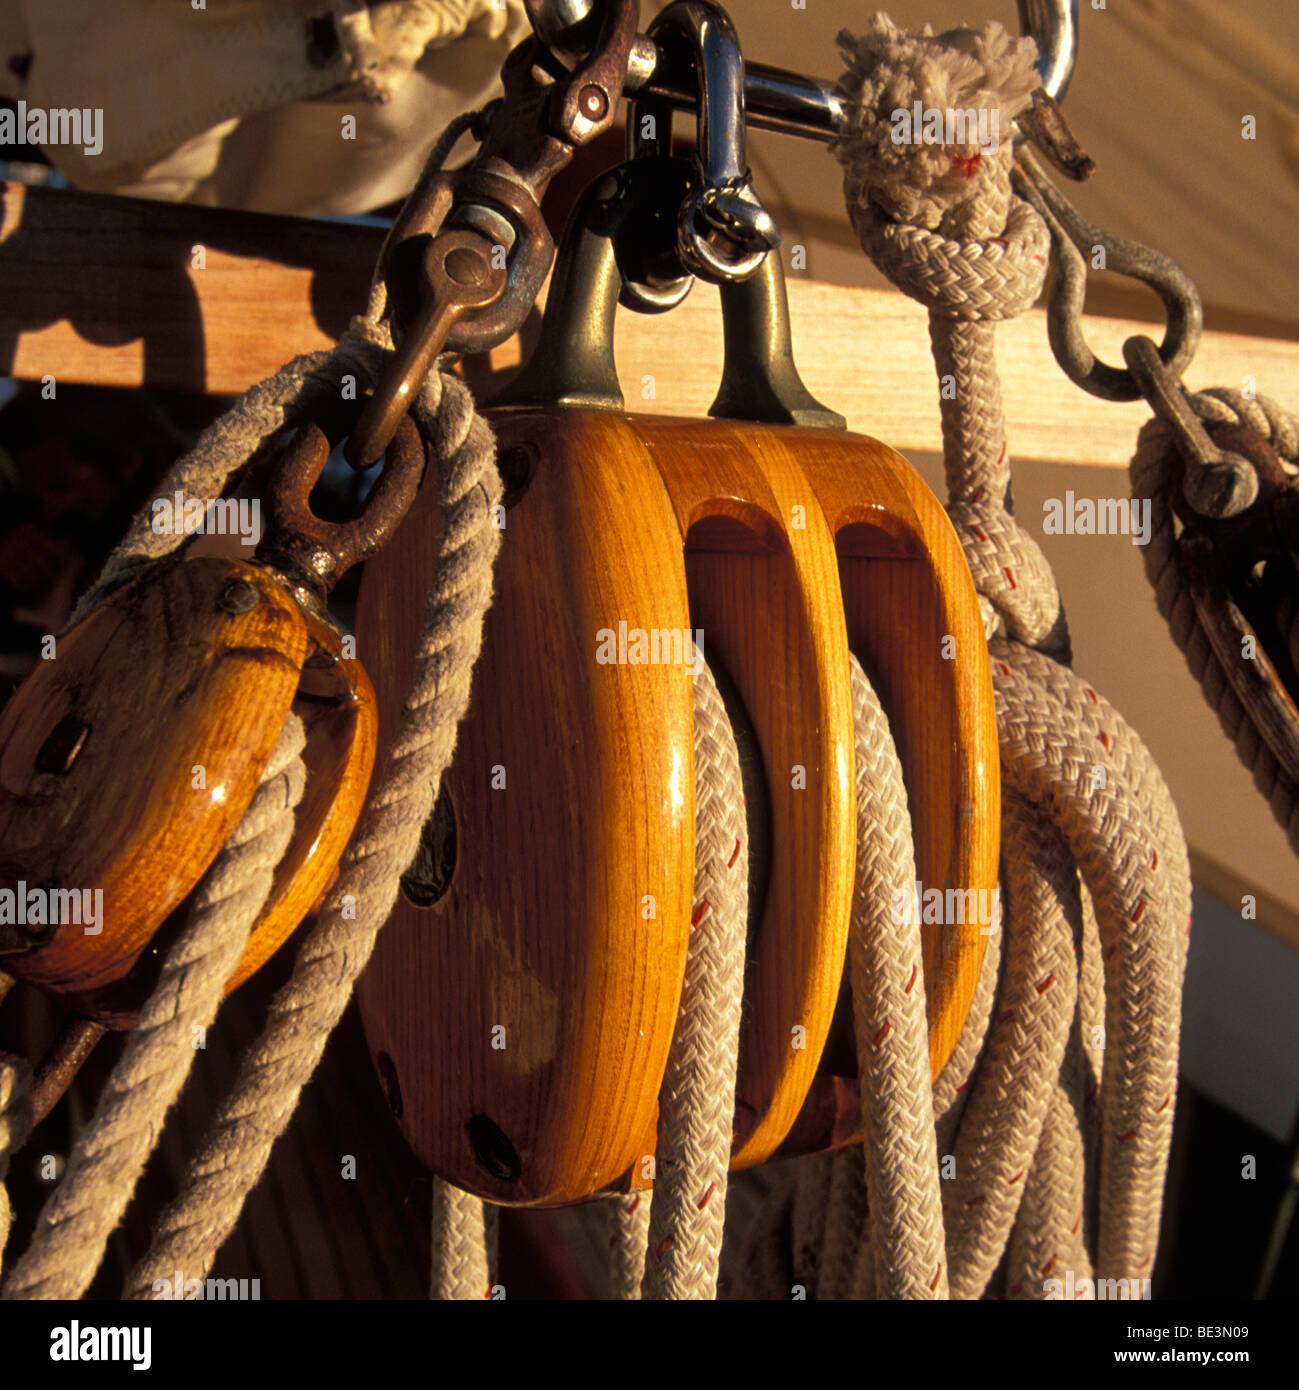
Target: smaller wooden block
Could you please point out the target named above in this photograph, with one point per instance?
(128, 758)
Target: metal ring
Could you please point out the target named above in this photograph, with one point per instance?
(714, 251)
(316, 553)
(789, 101)
(552, 19)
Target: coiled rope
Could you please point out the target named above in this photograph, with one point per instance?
(107, 1161)
(1050, 1125)
(1038, 1081)
(1040, 1151)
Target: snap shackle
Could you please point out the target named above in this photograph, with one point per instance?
(624, 217)
(724, 232)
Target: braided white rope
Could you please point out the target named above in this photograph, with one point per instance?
(907, 1248)
(697, 1097)
(463, 1252)
(669, 1246)
(1011, 1113)
(628, 1218)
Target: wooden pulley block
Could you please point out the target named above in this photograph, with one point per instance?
(1242, 572)
(520, 1002)
(129, 757)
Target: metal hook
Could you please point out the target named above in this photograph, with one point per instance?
(1071, 236)
(312, 553)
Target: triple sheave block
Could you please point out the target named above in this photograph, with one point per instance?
(521, 999)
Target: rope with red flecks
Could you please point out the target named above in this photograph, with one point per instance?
(1051, 1123)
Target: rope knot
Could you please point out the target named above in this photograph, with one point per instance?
(991, 279)
(928, 137)
(927, 147)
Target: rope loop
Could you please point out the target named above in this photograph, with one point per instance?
(1155, 471)
(15, 1124)
(1265, 416)
(1057, 1143)
(987, 279)
(15, 1082)
(1011, 573)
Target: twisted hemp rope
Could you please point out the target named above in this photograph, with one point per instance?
(385, 841)
(110, 1154)
(1155, 470)
(1037, 1085)
(15, 1124)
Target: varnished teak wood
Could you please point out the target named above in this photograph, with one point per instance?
(541, 945)
(336, 704)
(527, 1015)
(913, 621)
(181, 702)
(766, 602)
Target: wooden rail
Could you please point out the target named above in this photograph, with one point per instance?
(124, 292)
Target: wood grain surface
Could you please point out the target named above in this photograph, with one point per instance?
(913, 622)
(562, 936)
(662, 523)
(165, 682)
(106, 290)
(764, 591)
(336, 704)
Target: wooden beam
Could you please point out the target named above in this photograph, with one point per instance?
(124, 292)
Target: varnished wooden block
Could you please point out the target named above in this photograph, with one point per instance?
(521, 1022)
(128, 758)
(336, 704)
(913, 621)
(571, 792)
(763, 587)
